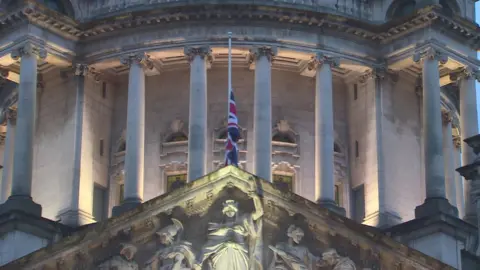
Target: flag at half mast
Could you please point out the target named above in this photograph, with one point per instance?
(233, 133)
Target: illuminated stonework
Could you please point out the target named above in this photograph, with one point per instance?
(122, 102)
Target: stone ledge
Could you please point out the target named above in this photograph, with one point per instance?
(75, 218)
(22, 204)
(450, 225)
(34, 225)
(434, 206)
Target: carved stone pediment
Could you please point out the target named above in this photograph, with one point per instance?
(228, 219)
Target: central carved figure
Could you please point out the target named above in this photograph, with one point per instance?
(233, 244)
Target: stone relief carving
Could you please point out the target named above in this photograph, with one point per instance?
(123, 261)
(291, 255)
(331, 258)
(234, 244)
(176, 253)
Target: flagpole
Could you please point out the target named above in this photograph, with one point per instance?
(229, 70)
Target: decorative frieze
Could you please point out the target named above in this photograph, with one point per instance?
(430, 54)
(258, 52)
(141, 59)
(29, 49)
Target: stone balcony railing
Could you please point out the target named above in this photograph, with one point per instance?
(101, 9)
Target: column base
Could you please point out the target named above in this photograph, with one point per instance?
(471, 218)
(127, 205)
(75, 218)
(23, 204)
(331, 205)
(382, 220)
(433, 206)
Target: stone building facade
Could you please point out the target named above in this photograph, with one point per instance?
(360, 106)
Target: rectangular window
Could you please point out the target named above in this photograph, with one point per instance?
(176, 181)
(99, 195)
(338, 200)
(283, 182)
(355, 92)
(359, 204)
(104, 90)
(121, 191)
(101, 147)
(356, 149)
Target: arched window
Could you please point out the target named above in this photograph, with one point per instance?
(401, 8)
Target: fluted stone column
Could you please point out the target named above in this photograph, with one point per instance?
(449, 158)
(11, 119)
(436, 201)
(459, 181)
(197, 123)
(262, 111)
(469, 127)
(324, 134)
(20, 198)
(135, 141)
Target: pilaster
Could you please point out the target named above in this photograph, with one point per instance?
(449, 158)
(459, 181)
(380, 209)
(80, 211)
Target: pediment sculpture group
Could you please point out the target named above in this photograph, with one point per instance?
(234, 244)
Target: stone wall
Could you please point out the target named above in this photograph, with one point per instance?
(53, 145)
(167, 99)
(392, 178)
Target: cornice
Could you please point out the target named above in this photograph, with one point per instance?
(310, 19)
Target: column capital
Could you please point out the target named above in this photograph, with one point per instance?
(29, 49)
(141, 59)
(380, 72)
(465, 73)
(446, 117)
(4, 73)
(84, 70)
(457, 141)
(205, 52)
(321, 59)
(11, 114)
(431, 54)
(419, 86)
(257, 52)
